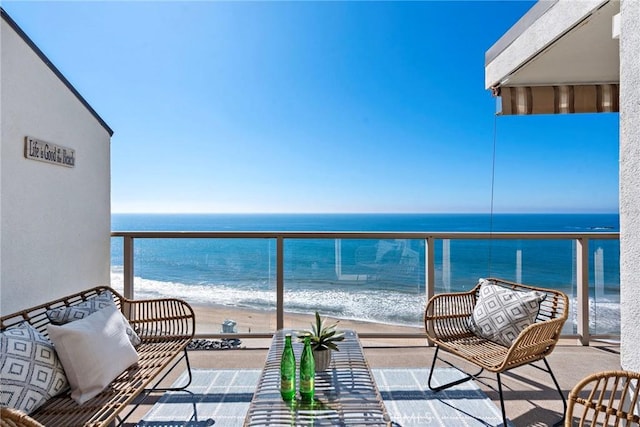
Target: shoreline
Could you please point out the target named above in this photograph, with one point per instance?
(210, 319)
(211, 316)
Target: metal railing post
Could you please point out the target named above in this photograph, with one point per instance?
(280, 282)
(128, 267)
(582, 284)
(429, 269)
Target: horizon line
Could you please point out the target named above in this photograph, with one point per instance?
(595, 212)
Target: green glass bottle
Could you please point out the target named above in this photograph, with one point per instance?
(288, 371)
(307, 372)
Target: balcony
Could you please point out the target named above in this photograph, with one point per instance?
(529, 396)
(417, 265)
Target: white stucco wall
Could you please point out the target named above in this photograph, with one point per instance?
(55, 221)
(630, 184)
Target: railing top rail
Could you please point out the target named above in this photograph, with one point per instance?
(361, 235)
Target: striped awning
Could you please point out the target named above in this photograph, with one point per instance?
(562, 99)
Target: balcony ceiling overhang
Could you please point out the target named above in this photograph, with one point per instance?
(561, 57)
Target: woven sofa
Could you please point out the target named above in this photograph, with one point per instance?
(164, 326)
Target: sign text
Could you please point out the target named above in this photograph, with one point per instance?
(36, 149)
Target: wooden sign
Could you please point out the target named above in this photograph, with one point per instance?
(43, 151)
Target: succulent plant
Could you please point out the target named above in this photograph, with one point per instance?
(323, 337)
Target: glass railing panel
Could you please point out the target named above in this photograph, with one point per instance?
(459, 264)
(373, 285)
(117, 262)
(547, 263)
(370, 283)
(230, 282)
(604, 287)
(542, 263)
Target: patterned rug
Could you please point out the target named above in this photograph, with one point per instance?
(221, 398)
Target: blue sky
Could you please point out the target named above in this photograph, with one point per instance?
(228, 107)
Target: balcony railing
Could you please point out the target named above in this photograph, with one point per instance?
(585, 265)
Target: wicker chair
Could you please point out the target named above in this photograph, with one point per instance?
(447, 327)
(608, 398)
(10, 417)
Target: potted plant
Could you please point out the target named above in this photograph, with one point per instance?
(323, 342)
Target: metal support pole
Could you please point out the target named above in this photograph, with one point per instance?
(582, 284)
(128, 267)
(429, 269)
(279, 282)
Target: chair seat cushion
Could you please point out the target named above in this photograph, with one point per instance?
(500, 313)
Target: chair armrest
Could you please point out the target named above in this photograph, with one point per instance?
(612, 396)
(535, 342)
(161, 318)
(447, 314)
(14, 418)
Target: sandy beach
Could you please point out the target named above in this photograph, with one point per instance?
(210, 318)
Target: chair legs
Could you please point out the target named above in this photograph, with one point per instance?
(472, 376)
(182, 387)
(145, 394)
(504, 413)
(452, 383)
(555, 382)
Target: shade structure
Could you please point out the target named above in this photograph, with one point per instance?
(558, 99)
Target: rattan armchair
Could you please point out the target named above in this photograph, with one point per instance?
(10, 417)
(447, 326)
(608, 398)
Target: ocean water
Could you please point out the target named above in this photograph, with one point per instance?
(365, 279)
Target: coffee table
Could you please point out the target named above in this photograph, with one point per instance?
(345, 394)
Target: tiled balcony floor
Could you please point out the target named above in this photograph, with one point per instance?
(530, 397)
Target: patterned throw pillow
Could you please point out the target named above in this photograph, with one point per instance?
(501, 314)
(31, 372)
(63, 315)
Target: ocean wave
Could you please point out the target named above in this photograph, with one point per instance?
(604, 316)
(379, 305)
(385, 306)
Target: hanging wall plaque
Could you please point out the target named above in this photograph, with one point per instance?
(43, 151)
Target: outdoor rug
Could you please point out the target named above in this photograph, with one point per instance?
(221, 398)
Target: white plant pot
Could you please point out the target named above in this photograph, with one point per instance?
(322, 359)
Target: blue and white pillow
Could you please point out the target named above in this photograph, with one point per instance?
(31, 372)
(500, 313)
(63, 315)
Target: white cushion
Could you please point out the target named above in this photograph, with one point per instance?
(500, 314)
(93, 351)
(63, 315)
(31, 371)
